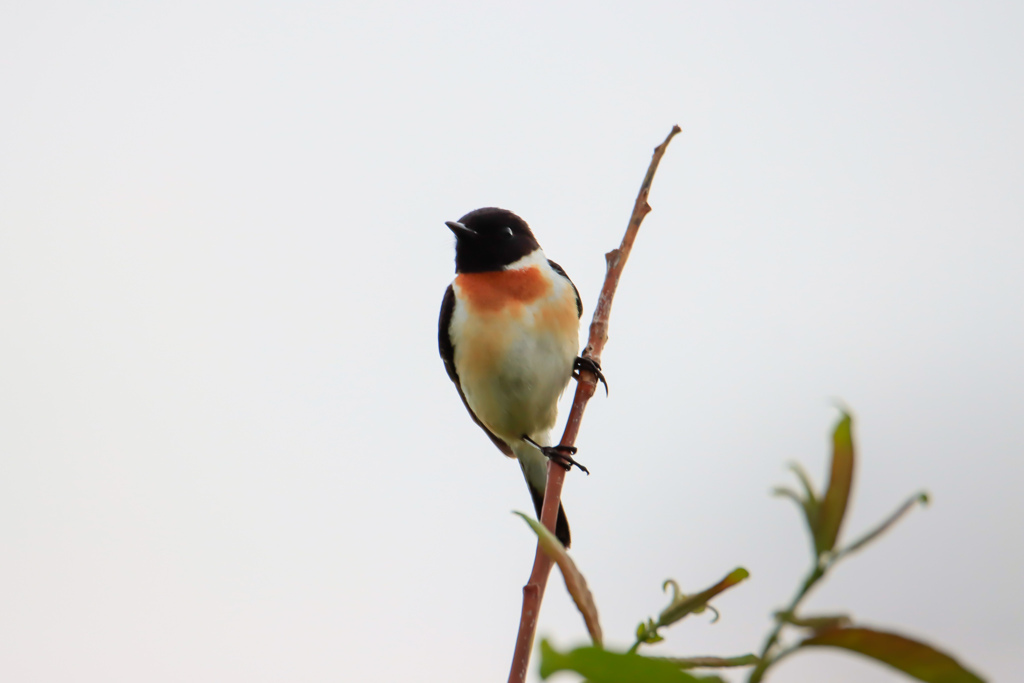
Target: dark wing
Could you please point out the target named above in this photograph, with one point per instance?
(444, 342)
(561, 271)
(444, 345)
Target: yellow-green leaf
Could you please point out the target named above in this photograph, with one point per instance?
(921, 661)
(833, 504)
(574, 581)
(692, 603)
(603, 666)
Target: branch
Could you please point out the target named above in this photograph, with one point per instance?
(533, 591)
(766, 658)
(711, 662)
(921, 498)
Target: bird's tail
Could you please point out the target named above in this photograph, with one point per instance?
(535, 469)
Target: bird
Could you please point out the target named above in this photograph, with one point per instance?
(508, 334)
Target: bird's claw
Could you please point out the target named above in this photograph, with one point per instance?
(591, 365)
(562, 455)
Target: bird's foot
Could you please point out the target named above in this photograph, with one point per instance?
(562, 455)
(587, 363)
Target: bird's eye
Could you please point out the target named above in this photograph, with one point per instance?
(507, 233)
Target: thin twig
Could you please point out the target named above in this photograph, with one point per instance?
(711, 662)
(766, 658)
(921, 498)
(770, 654)
(533, 591)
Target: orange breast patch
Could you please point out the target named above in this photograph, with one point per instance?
(497, 290)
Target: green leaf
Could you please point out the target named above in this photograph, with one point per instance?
(603, 666)
(574, 581)
(809, 509)
(647, 633)
(683, 605)
(805, 481)
(833, 504)
(810, 502)
(785, 492)
(921, 661)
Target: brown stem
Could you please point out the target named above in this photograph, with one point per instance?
(533, 591)
(711, 662)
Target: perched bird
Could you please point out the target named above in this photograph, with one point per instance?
(509, 335)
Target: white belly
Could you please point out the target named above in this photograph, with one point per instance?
(521, 396)
(513, 370)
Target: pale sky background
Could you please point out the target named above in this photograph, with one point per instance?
(229, 450)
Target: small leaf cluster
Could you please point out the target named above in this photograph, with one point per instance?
(823, 514)
(683, 605)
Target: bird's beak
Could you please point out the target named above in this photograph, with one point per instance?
(460, 230)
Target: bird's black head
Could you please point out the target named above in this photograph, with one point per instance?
(490, 239)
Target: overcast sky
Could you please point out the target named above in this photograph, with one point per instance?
(230, 452)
